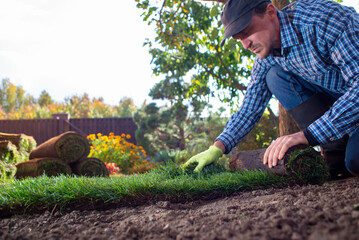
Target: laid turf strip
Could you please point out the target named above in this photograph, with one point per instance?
(167, 183)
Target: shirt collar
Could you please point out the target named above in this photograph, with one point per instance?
(288, 36)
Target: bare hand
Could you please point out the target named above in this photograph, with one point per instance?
(279, 147)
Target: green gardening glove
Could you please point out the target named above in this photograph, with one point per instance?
(204, 158)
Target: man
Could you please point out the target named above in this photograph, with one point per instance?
(308, 58)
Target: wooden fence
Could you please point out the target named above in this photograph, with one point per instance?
(44, 129)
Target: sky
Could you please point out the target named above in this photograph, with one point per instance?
(70, 47)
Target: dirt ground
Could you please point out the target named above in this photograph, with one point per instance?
(311, 212)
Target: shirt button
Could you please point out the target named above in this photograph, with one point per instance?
(332, 139)
(357, 124)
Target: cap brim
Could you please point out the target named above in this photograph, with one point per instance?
(237, 26)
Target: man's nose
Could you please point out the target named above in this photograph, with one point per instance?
(246, 43)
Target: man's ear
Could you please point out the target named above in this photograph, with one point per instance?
(271, 11)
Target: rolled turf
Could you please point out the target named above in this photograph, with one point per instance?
(90, 167)
(39, 166)
(23, 142)
(300, 162)
(69, 146)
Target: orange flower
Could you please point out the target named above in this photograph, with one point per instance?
(116, 148)
(91, 137)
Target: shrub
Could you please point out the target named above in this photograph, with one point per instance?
(112, 168)
(142, 167)
(10, 156)
(115, 149)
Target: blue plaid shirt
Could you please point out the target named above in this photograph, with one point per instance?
(320, 42)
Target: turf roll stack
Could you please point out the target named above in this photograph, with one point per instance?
(39, 166)
(64, 154)
(23, 142)
(69, 146)
(90, 167)
(300, 162)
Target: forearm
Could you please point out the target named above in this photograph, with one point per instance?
(220, 145)
(243, 121)
(341, 119)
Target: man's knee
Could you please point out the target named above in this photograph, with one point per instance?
(272, 77)
(353, 166)
(352, 153)
(352, 157)
(276, 78)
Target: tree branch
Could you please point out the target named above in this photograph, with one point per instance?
(273, 117)
(280, 3)
(219, 1)
(159, 22)
(236, 84)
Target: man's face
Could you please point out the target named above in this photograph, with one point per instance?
(261, 35)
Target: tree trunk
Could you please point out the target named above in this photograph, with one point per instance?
(287, 124)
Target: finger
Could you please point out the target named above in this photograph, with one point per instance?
(273, 156)
(270, 155)
(187, 163)
(276, 153)
(266, 154)
(265, 157)
(191, 160)
(285, 144)
(283, 150)
(199, 167)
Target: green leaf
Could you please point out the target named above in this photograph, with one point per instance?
(214, 34)
(214, 11)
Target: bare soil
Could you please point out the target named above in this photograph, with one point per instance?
(313, 212)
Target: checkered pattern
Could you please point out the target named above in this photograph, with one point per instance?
(320, 43)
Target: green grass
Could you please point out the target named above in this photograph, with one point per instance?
(168, 182)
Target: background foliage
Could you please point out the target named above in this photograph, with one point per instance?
(186, 51)
(15, 103)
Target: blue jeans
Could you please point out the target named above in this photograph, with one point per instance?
(292, 90)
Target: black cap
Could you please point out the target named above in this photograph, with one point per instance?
(236, 16)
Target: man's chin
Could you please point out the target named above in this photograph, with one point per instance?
(262, 55)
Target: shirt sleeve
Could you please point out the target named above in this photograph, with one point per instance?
(255, 101)
(343, 117)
